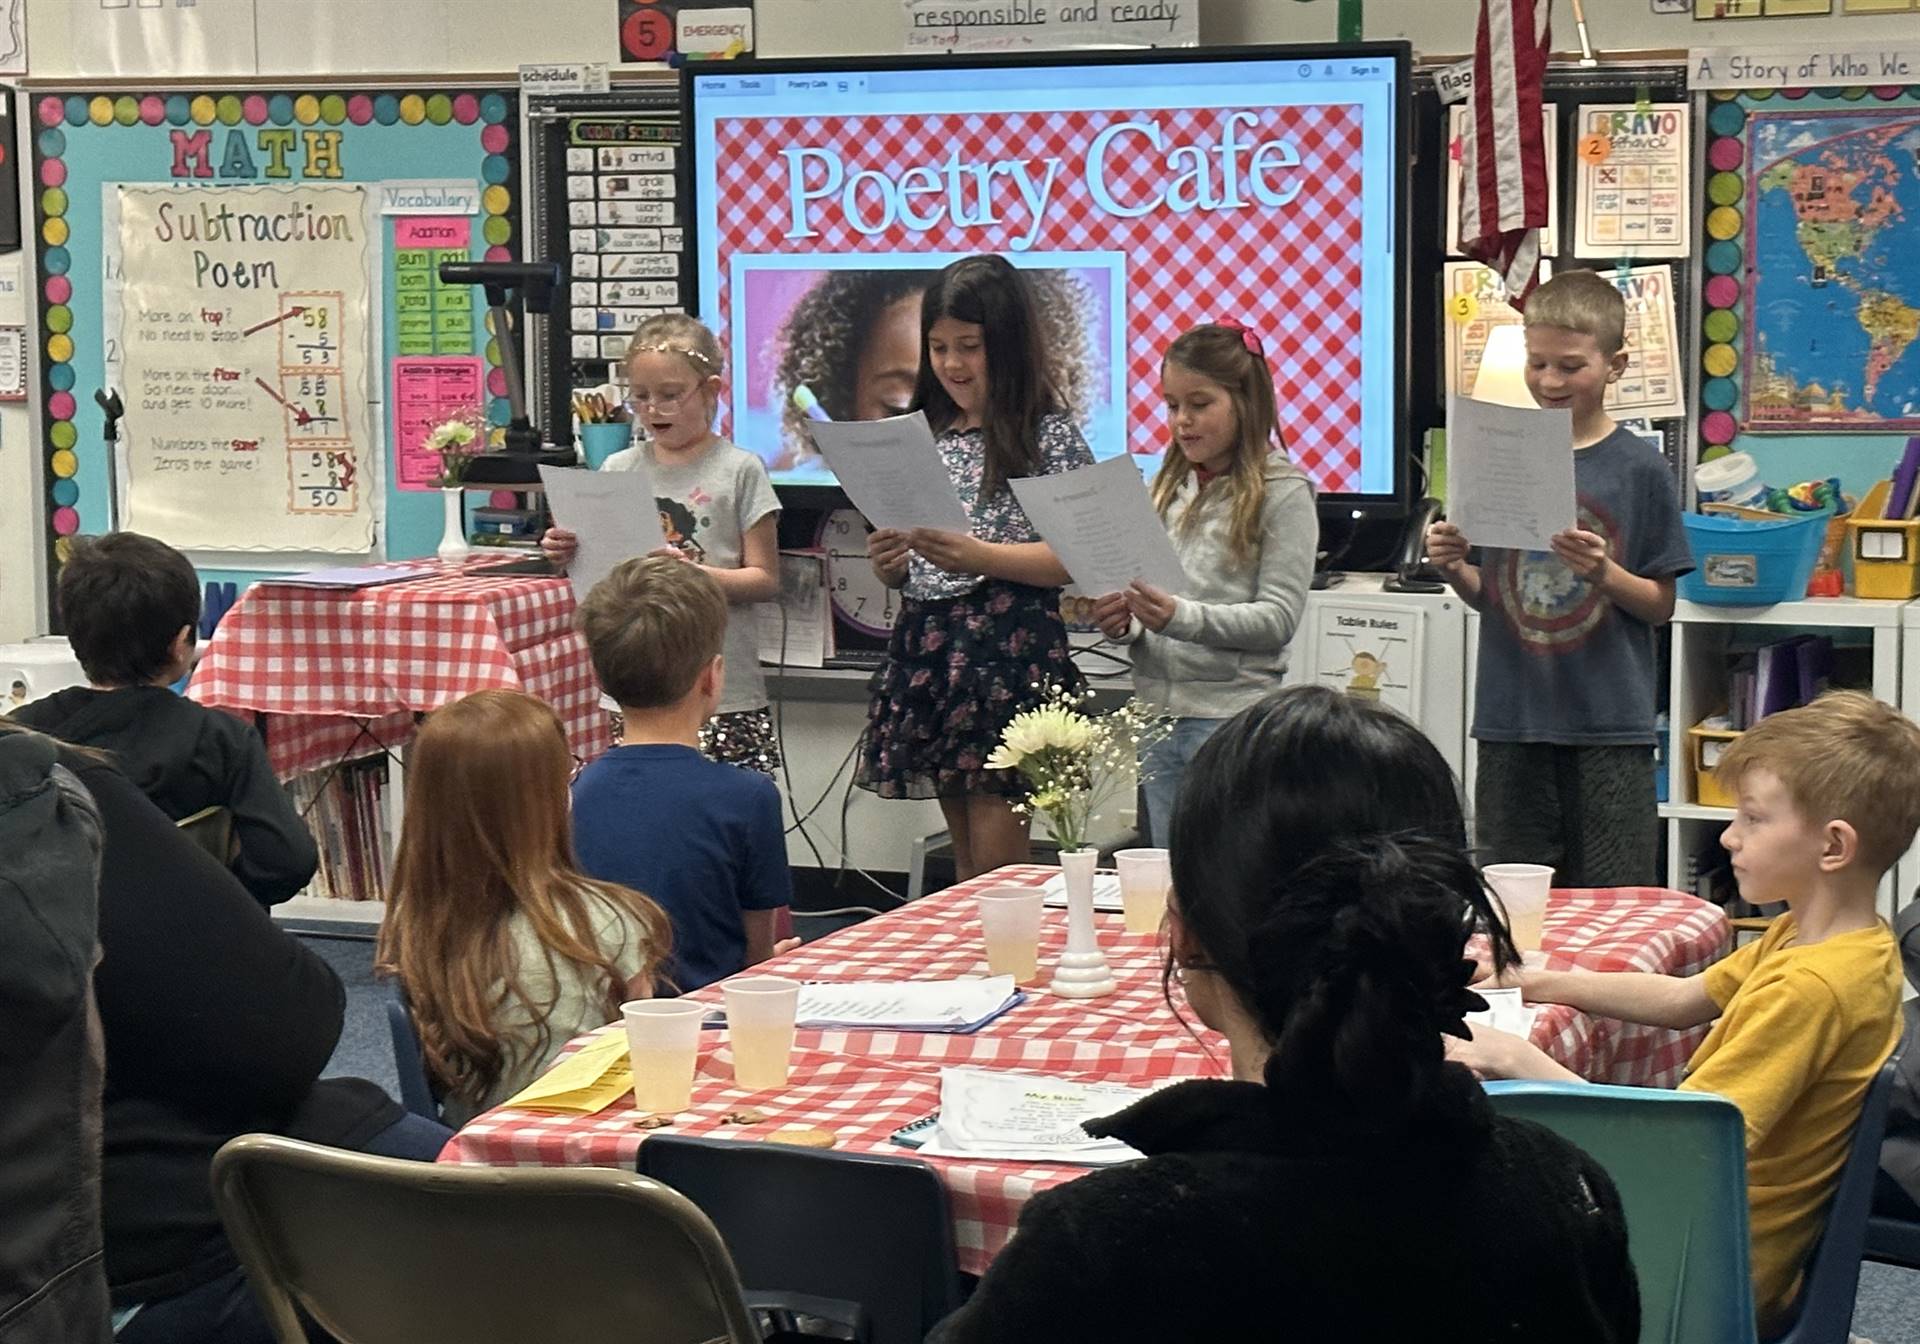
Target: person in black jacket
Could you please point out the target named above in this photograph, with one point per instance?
(53, 1287)
(1348, 1183)
(132, 608)
(216, 1023)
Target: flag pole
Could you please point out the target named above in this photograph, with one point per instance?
(1580, 25)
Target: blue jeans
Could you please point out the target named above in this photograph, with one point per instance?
(225, 1311)
(1165, 764)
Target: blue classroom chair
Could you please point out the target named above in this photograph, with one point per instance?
(1679, 1160)
(1824, 1313)
(410, 1060)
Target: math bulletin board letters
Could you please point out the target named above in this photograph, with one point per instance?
(435, 172)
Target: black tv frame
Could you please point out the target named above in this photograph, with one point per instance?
(1391, 504)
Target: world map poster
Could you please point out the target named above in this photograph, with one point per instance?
(1834, 295)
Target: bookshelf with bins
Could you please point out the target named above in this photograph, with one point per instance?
(1706, 641)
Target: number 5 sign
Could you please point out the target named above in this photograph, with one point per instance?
(671, 31)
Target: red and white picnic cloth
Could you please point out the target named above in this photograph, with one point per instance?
(342, 672)
(863, 1085)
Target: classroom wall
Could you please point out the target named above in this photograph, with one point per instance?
(493, 35)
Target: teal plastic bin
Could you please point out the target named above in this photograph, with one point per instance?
(1751, 562)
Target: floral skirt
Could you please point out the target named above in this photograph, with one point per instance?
(957, 671)
(744, 737)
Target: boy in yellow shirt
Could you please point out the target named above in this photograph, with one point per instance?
(1829, 798)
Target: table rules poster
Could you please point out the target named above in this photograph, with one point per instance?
(244, 332)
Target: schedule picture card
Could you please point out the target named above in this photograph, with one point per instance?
(892, 472)
(612, 513)
(1101, 523)
(1509, 474)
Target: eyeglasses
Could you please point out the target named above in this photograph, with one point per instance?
(658, 405)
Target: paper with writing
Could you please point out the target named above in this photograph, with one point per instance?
(1509, 474)
(907, 1004)
(613, 513)
(1025, 1118)
(1101, 523)
(892, 472)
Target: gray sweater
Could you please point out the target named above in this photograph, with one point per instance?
(1226, 645)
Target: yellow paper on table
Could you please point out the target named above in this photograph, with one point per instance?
(590, 1079)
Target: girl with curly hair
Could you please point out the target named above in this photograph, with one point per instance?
(853, 340)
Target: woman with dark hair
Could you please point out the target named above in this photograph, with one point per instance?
(1347, 1183)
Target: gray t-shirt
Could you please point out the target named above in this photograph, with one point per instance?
(1560, 662)
(707, 507)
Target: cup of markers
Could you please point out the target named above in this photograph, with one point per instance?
(604, 429)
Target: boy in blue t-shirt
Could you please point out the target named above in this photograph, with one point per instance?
(703, 839)
(1565, 697)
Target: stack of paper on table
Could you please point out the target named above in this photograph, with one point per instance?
(1106, 891)
(1019, 1117)
(955, 1006)
(356, 576)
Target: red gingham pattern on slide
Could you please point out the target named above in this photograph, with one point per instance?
(1298, 286)
(342, 672)
(863, 1085)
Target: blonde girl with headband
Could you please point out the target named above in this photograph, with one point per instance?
(717, 509)
(1242, 519)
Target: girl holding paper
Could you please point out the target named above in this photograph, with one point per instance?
(979, 636)
(717, 510)
(1242, 520)
(1347, 1180)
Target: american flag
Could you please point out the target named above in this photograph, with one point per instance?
(1503, 164)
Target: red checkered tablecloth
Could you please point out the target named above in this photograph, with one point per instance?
(343, 672)
(863, 1085)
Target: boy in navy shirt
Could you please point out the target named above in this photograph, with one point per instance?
(1565, 697)
(703, 839)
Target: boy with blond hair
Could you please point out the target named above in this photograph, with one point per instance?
(704, 839)
(1565, 695)
(1829, 797)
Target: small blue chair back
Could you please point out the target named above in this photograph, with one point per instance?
(410, 1060)
(873, 1230)
(1679, 1160)
(1824, 1313)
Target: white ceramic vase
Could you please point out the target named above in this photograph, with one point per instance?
(453, 530)
(1082, 971)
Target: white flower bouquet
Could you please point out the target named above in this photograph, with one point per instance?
(455, 442)
(1073, 759)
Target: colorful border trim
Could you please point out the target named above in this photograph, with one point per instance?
(1727, 285)
(499, 170)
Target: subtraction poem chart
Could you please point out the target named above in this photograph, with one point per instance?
(245, 339)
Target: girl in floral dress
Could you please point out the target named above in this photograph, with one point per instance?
(979, 636)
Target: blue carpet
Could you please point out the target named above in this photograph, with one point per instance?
(365, 1050)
